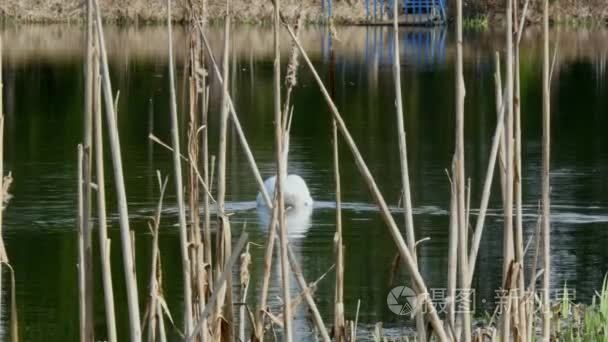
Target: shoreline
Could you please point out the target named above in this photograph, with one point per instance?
(136, 12)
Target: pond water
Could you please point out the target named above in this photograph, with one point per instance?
(43, 82)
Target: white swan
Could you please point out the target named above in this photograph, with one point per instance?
(295, 192)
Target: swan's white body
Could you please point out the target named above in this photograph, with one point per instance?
(295, 192)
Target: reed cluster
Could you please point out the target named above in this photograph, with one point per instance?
(209, 303)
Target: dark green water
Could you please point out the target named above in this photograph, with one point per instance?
(43, 84)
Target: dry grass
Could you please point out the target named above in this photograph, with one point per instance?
(253, 11)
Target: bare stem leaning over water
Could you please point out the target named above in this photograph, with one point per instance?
(125, 238)
(406, 255)
(235, 120)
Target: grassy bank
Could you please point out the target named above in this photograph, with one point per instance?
(254, 11)
(568, 12)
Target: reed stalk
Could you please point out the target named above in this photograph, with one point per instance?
(199, 270)
(155, 264)
(244, 278)
(207, 178)
(177, 169)
(405, 179)
(219, 283)
(503, 139)
(281, 176)
(87, 169)
(459, 181)
(106, 270)
(339, 328)
(406, 256)
(452, 258)
(235, 120)
(518, 236)
(259, 322)
(224, 303)
(546, 204)
(307, 296)
(3, 255)
(5, 183)
(82, 301)
(129, 270)
(508, 249)
(485, 197)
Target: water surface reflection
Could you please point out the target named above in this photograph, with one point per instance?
(43, 103)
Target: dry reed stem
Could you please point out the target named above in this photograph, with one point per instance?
(2, 247)
(106, 270)
(195, 242)
(5, 183)
(307, 296)
(227, 273)
(405, 178)
(503, 142)
(129, 270)
(339, 328)
(487, 186)
(452, 257)
(206, 178)
(177, 169)
(154, 286)
(259, 326)
(518, 236)
(281, 177)
(392, 226)
(223, 237)
(459, 180)
(508, 251)
(237, 124)
(87, 169)
(244, 282)
(546, 204)
(81, 269)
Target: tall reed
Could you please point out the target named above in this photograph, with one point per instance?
(104, 242)
(406, 255)
(125, 235)
(459, 180)
(281, 176)
(405, 178)
(86, 188)
(177, 169)
(546, 200)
